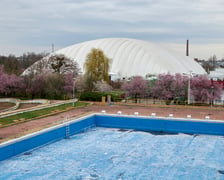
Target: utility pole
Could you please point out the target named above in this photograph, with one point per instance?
(52, 48)
(73, 93)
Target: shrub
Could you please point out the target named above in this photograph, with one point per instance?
(97, 96)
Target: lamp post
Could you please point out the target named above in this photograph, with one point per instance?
(189, 87)
(212, 99)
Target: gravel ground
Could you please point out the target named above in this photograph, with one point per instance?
(5, 105)
(15, 131)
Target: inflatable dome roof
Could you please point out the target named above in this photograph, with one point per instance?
(131, 57)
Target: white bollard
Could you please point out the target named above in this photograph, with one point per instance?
(153, 114)
(207, 117)
(136, 113)
(103, 112)
(170, 115)
(119, 112)
(189, 116)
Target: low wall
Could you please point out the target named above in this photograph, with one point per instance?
(17, 102)
(10, 100)
(34, 101)
(19, 111)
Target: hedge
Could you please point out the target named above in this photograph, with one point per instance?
(97, 96)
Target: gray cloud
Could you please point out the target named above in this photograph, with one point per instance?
(64, 22)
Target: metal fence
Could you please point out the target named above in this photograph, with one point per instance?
(171, 102)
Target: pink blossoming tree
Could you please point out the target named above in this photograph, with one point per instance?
(203, 90)
(136, 88)
(169, 87)
(10, 84)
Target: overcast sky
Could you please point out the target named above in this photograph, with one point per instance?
(34, 25)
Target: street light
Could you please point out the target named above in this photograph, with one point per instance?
(189, 86)
(189, 89)
(212, 99)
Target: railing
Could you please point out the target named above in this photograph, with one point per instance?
(171, 102)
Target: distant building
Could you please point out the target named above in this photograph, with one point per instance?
(218, 74)
(131, 57)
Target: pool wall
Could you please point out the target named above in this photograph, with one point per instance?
(44, 137)
(162, 124)
(32, 141)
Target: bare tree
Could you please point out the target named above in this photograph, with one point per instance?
(62, 64)
(56, 63)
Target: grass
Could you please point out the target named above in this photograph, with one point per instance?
(14, 119)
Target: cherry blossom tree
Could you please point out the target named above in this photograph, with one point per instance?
(163, 88)
(38, 85)
(203, 90)
(69, 83)
(10, 84)
(169, 87)
(15, 84)
(180, 85)
(136, 88)
(80, 84)
(3, 80)
(102, 86)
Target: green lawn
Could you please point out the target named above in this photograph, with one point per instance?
(38, 113)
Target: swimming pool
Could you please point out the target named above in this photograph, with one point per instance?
(133, 153)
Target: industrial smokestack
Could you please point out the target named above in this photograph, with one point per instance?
(52, 47)
(187, 48)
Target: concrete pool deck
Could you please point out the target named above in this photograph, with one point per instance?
(127, 109)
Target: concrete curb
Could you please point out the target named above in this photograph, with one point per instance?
(10, 113)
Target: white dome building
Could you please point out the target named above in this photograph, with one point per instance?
(131, 57)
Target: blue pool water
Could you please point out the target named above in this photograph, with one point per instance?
(105, 153)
